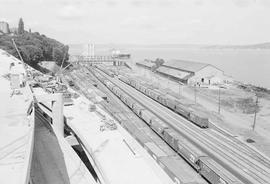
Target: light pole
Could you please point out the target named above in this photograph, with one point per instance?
(255, 114)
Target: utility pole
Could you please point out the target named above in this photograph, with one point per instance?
(255, 115)
(219, 100)
(88, 49)
(195, 94)
(180, 88)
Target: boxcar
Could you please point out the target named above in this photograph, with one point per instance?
(117, 91)
(142, 89)
(158, 126)
(189, 152)
(110, 85)
(133, 82)
(162, 99)
(170, 102)
(114, 89)
(171, 137)
(182, 110)
(123, 97)
(130, 102)
(199, 119)
(147, 116)
(137, 108)
(148, 91)
(154, 94)
(215, 173)
(124, 79)
(137, 85)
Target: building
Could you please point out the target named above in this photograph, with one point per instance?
(4, 27)
(148, 64)
(190, 72)
(14, 30)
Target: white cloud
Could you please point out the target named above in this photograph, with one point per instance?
(71, 12)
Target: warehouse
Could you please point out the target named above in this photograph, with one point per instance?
(148, 64)
(190, 72)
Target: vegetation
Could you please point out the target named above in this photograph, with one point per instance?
(158, 62)
(34, 47)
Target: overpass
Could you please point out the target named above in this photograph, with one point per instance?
(97, 59)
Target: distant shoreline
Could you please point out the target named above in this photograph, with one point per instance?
(265, 45)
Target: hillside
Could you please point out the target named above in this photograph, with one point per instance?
(35, 48)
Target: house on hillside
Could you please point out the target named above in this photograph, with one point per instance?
(190, 72)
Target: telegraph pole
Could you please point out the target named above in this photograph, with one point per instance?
(219, 100)
(195, 94)
(180, 87)
(255, 115)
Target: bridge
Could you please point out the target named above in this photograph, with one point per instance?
(97, 59)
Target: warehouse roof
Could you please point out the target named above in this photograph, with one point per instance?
(146, 63)
(189, 66)
(173, 72)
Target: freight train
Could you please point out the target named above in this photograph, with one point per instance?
(179, 106)
(207, 167)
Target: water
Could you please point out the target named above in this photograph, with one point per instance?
(246, 65)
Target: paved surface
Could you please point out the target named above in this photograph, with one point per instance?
(117, 156)
(16, 128)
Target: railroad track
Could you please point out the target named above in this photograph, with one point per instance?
(245, 148)
(244, 167)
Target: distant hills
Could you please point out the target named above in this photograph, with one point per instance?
(265, 45)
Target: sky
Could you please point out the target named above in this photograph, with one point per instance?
(144, 21)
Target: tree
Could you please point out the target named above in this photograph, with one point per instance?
(57, 55)
(21, 26)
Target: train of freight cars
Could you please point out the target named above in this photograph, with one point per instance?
(207, 167)
(198, 118)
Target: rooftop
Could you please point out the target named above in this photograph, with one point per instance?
(113, 151)
(184, 65)
(173, 72)
(146, 63)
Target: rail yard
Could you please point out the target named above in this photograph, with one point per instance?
(216, 155)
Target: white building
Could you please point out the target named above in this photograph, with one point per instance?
(4, 27)
(192, 72)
